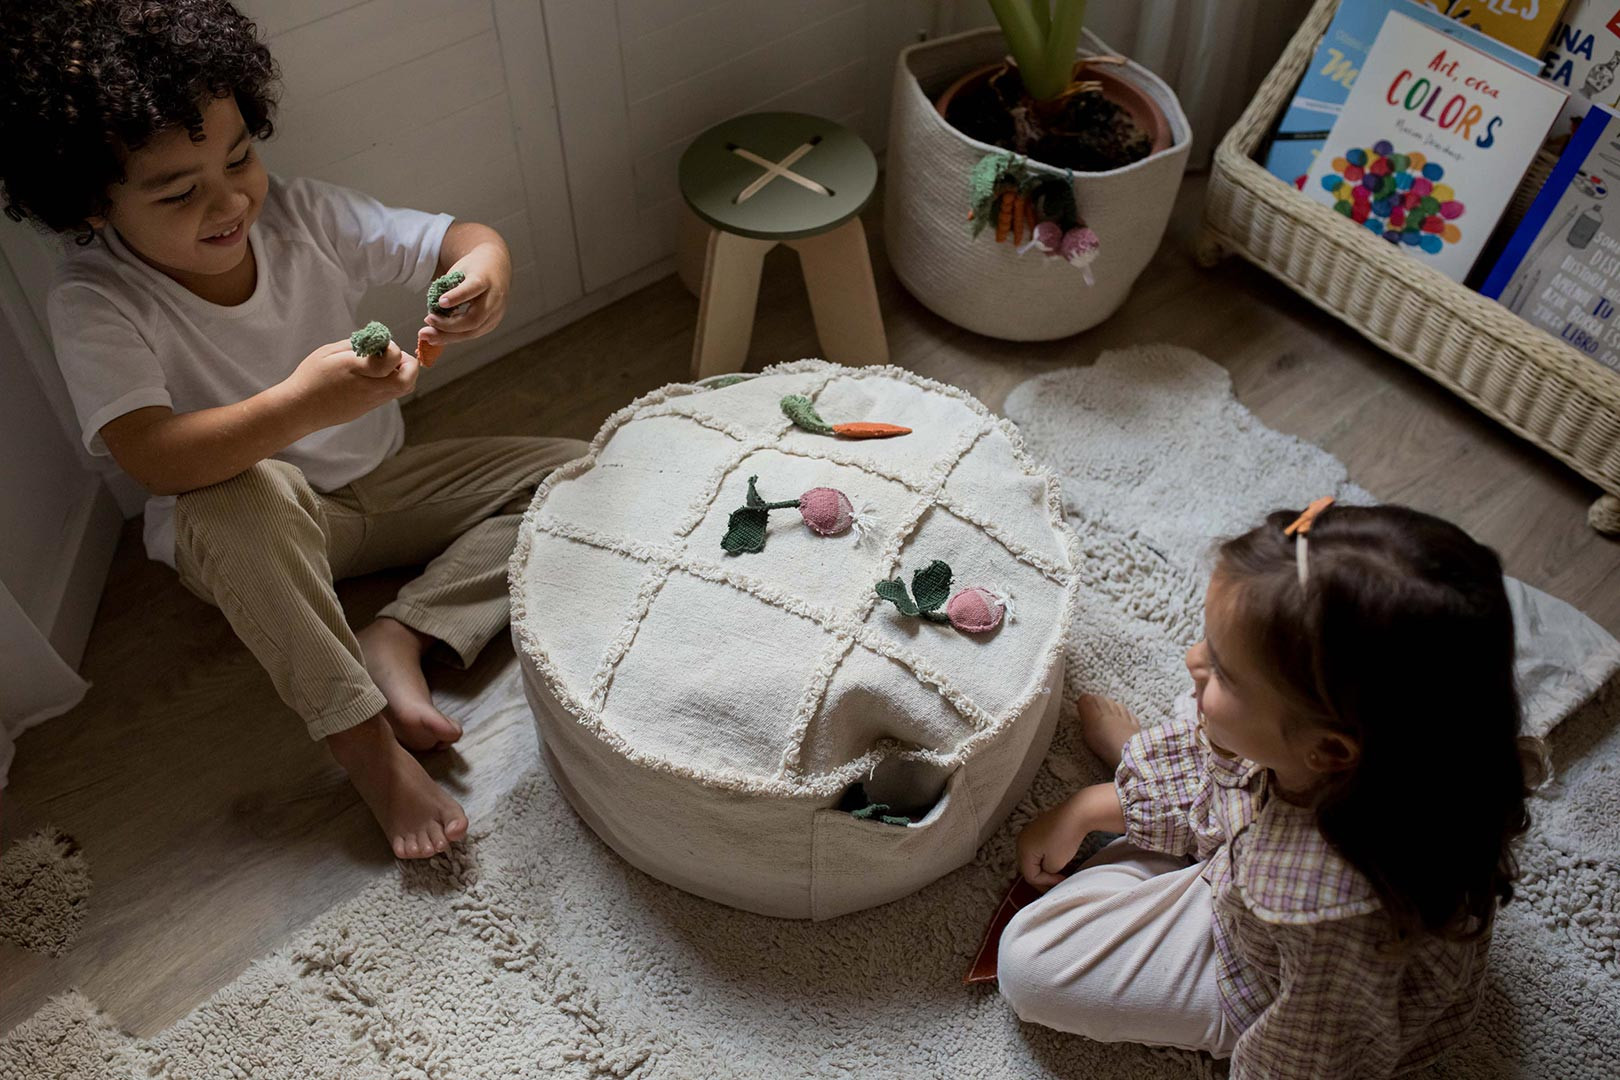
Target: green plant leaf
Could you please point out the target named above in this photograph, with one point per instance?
(895, 593)
(798, 409)
(745, 530)
(932, 584)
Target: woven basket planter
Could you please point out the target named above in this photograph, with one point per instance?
(985, 286)
(1518, 375)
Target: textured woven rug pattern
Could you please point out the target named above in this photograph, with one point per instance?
(533, 951)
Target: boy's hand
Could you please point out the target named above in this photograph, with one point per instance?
(489, 278)
(333, 386)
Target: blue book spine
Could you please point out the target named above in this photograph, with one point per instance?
(1571, 163)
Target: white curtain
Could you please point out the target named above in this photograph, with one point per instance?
(37, 684)
(43, 487)
(1213, 53)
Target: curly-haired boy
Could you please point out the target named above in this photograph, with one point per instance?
(202, 324)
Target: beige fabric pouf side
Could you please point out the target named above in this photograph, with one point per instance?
(707, 713)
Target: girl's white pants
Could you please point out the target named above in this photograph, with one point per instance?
(1123, 950)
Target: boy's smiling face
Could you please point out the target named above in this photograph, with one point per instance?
(185, 207)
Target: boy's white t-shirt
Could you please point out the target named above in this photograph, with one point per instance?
(127, 336)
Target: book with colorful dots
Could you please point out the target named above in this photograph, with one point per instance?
(1433, 139)
(1342, 53)
(1560, 269)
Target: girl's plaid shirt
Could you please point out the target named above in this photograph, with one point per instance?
(1310, 968)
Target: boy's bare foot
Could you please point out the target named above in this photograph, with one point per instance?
(1106, 726)
(416, 815)
(393, 654)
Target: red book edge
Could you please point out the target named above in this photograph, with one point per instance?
(1020, 895)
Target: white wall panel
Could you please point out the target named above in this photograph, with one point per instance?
(637, 80)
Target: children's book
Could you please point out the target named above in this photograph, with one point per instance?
(1434, 138)
(1019, 896)
(1584, 59)
(1526, 25)
(1326, 84)
(1561, 268)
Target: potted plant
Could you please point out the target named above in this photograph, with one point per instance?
(1072, 154)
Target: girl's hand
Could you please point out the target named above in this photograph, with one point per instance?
(1049, 843)
(489, 278)
(1046, 845)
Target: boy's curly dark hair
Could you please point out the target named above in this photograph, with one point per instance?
(84, 82)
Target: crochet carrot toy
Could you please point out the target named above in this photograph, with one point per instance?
(426, 353)
(798, 409)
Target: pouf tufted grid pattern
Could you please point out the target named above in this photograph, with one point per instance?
(826, 612)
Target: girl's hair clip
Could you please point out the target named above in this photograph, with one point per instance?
(1299, 528)
(1303, 523)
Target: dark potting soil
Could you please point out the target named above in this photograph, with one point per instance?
(1090, 134)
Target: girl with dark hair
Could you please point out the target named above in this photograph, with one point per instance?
(1315, 847)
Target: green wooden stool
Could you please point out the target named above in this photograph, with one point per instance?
(782, 178)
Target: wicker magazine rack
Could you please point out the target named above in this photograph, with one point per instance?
(1520, 376)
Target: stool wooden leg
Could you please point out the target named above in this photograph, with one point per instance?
(726, 308)
(843, 295)
(691, 249)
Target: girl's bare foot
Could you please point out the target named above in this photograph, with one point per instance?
(416, 815)
(1106, 726)
(393, 654)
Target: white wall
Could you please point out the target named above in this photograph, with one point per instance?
(637, 80)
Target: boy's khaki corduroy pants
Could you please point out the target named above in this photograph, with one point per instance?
(265, 548)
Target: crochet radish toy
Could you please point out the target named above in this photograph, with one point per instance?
(972, 610)
(827, 511)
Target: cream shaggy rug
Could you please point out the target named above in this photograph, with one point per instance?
(44, 885)
(534, 951)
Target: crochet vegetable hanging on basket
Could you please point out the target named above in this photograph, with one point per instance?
(1031, 209)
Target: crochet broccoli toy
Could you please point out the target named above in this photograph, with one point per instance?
(425, 352)
(370, 340)
(441, 286)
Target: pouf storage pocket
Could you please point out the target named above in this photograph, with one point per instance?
(717, 684)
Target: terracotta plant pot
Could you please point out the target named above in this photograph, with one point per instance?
(988, 287)
(1141, 108)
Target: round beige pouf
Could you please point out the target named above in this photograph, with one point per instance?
(759, 726)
